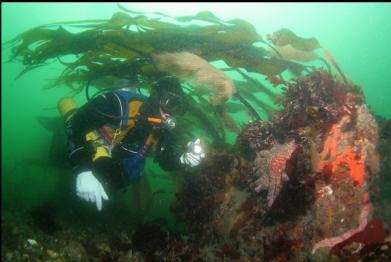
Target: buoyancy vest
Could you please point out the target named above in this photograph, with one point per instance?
(130, 104)
(110, 135)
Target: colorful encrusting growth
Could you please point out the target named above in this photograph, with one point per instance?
(301, 182)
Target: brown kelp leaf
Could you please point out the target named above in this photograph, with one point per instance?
(116, 51)
(109, 46)
(38, 44)
(205, 16)
(254, 59)
(188, 66)
(285, 37)
(290, 53)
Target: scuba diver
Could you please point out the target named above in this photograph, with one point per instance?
(110, 136)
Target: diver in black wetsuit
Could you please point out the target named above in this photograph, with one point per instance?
(111, 135)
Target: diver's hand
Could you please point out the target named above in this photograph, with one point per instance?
(194, 154)
(90, 189)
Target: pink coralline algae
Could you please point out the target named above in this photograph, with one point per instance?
(332, 241)
(271, 165)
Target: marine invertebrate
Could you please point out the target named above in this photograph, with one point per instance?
(270, 166)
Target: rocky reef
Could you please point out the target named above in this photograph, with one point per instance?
(301, 185)
(308, 185)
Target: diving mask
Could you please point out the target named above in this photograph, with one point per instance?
(173, 104)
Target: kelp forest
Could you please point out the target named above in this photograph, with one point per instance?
(300, 180)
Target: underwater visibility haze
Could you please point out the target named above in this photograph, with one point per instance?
(291, 102)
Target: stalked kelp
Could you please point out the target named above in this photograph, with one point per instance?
(130, 46)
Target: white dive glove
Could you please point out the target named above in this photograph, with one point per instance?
(90, 189)
(194, 153)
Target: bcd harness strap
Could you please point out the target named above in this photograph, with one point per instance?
(107, 137)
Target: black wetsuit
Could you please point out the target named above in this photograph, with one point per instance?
(110, 170)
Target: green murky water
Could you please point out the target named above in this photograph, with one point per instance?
(358, 35)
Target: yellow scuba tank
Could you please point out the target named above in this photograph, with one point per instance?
(67, 107)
